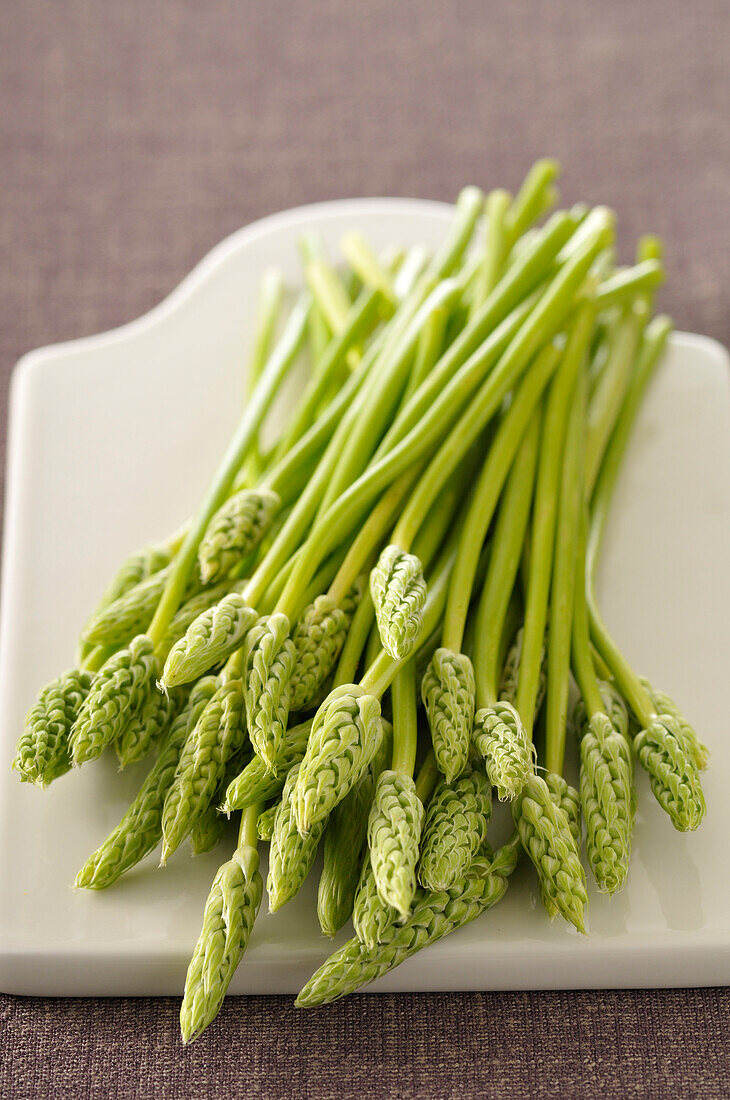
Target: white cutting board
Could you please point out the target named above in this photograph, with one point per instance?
(112, 440)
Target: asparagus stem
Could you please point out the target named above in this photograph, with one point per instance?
(356, 641)
(248, 836)
(273, 374)
(469, 206)
(271, 294)
(371, 533)
(545, 509)
(623, 286)
(563, 583)
(611, 388)
(295, 526)
(428, 351)
(367, 266)
(405, 723)
(487, 491)
(583, 665)
(486, 335)
(540, 326)
(428, 776)
(655, 338)
(386, 387)
(311, 247)
(346, 453)
(504, 562)
(358, 323)
(495, 246)
(329, 293)
(529, 202)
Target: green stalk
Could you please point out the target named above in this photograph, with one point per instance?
(539, 327)
(355, 400)
(388, 381)
(469, 205)
(384, 668)
(504, 562)
(356, 640)
(583, 665)
(495, 247)
(611, 387)
(273, 374)
(248, 836)
(311, 247)
(563, 583)
(271, 294)
(97, 657)
(301, 515)
(428, 351)
(358, 323)
(624, 286)
(655, 338)
(405, 723)
(368, 267)
(328, 292)
(371, 533)
(530, 201)
(428, 776)
(478, 344)
(545, 509)
(513, 429)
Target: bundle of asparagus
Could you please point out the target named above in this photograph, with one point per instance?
(425, 530)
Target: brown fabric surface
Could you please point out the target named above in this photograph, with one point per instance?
(133, 137)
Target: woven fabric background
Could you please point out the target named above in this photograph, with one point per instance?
(133, 137)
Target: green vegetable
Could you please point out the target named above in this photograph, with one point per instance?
(235, 531)
(448, 696)
(371, 915)
(140, 830)
(345, 736)
(430, 513)
(318, 636)
(268, 656)
(342, 848)
(455, 829)
(209, 639)
(394, 832)
(545, 832)
(146, 728)
(43, 753)
(433, 917)
(290, 855)
(256, 783)
(217, 735)
(499, 738)
(119, 690)
(228, 919)
(399, 593)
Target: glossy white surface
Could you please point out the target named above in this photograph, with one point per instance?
(112, 440)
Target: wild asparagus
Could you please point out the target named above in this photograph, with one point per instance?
(140, 829)
(455, 829)
(290, 855)
(434, 916)
(43, 751)
(209, 639)
(120, 689)
(229, 916)
(217, 735)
